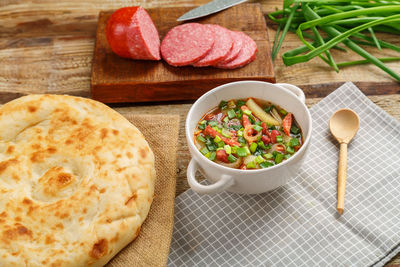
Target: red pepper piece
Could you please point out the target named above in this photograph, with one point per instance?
(273, 135)
(265, 139)
(210, 131)
(265, 129)
(246, 122)
(222, 156)
(287, 123)
(243, 167)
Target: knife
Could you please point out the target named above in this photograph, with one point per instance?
(209, 8)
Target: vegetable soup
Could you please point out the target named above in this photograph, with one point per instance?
(248, 134)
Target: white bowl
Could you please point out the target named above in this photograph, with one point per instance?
(222, 178)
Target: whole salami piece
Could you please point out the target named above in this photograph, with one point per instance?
(246, 55)
(186, 44)
(131, 33)
(222, 46)
(237, 46)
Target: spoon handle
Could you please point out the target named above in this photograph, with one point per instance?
(342, 173)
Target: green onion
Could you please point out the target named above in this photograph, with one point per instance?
(257, 128)
(247, 112)
(290, 149)
(241, 140)
(223, 104)
(231, 114)
(240, 132)
(283, 112)
(221, 144)
(212, 155)
(201, 138)
(241, 152)
(226, 133)
(204, 150)
(234, 149)
(294, 142)
(279, 138)
(226, 119)
(278, 158)
(247, 150)
(253, 147)
(212, 146)
(212, 123)
(228, 149)
(251, 165)
(268, 156)
(217, 139)
(207, 155)
(261, 144)
(266, 164)
(342, 22)
(259, 159)
(294, 129)
(240, 103)
(287, 156)
(202, 126)
(232, 158)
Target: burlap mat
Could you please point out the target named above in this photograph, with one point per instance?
(151, 248)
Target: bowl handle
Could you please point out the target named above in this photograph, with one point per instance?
(224, 182)
(295, 90)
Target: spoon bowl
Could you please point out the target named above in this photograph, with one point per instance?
(344, 125)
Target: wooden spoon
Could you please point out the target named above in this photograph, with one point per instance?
(344, 125)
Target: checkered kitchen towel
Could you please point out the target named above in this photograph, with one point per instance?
(297, 224)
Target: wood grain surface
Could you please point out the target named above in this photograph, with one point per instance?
(46, 46)
(116, 79)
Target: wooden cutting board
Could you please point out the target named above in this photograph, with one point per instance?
(115, 79)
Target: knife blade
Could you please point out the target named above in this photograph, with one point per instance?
(209, 8)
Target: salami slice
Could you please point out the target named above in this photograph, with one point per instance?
(222, 46)
(237, 46)
(186, 44)
(246, 55)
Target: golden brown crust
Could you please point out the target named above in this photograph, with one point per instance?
(75, 180)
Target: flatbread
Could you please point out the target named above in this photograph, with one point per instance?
(76, 182)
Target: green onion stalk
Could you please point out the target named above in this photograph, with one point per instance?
(332, 23)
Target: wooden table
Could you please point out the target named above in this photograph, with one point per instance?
(46, 47)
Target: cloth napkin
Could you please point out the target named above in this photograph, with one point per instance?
(297, 224)
(151, 247)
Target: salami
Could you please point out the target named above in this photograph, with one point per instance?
(237, 46)
(246, 55)
(187, 43)
(222, 46)
(131, 33)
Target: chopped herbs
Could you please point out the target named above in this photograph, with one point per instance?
(266, 164)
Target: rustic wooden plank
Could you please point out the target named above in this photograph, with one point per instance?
(116, 79)
(47, 47)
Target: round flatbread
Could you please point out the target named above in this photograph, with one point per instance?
(76, 182)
